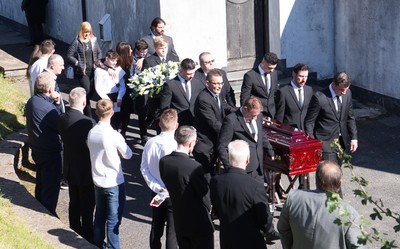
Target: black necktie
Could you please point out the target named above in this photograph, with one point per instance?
(163, 60)
(339, 104)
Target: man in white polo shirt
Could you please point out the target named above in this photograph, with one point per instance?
(106, 146)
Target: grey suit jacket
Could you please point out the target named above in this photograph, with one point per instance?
(253, 85)
(306, 223)
(288, 108)
(151, 50)
(324, 123)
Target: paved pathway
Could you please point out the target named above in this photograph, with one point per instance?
(378, 157)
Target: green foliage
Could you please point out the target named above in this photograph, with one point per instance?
(378, 208)
(12, 107)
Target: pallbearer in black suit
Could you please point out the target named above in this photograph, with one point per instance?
(207, 63)
(189, 193)
(74, 127)
(246, 124)
(294, 98)
(330, 116)
(209, 111)
(261, 82)
(292, 101)
(181, 92)
(240, 203)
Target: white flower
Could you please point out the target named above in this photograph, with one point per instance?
(150, 81)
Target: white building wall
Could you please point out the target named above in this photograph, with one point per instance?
(197, 26)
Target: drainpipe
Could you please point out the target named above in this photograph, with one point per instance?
(83, 3)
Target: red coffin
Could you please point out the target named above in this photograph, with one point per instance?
(295, 152)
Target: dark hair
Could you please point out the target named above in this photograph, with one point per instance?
(300, 67)
(342, 78)
(47, 46)
(156, 21)
(328, 177)
(112, 54)
(188, 64)
(125, 56)
(212, 73)
(141, 44)
(271, 58)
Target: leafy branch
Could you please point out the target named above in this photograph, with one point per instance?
(378, 207)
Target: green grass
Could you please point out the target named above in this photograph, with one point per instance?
(12, 106)
(13, 232)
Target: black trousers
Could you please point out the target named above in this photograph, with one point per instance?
(48, 177)
(161, 215)
(80, 210)
(196, 241)
(87, 82)
(142, 112)
(35, 28)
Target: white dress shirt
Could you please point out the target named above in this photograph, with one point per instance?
(106, 145)
(334, 97)
(296, 90)
(156, 148)
(36, 69)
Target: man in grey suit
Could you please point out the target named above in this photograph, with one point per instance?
(157, 30)
(261, 82)
(330, 117)
(305, 222)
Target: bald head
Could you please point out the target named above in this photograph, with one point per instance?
(328, 176)
(55, 64)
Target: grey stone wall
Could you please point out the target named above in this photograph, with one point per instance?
(367, 44)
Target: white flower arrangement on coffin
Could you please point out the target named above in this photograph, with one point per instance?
(151, 80)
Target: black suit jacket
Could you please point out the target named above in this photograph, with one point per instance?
(288, 108)
(154, 60)
(234, 127)
(151, 50)
(173, 95)
(208, 121)
(324, 123)
(189, 194)
(253, 85)
(241, 206)
(227, 92)
(74, 128)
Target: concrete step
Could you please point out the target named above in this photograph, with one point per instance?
(12, 66)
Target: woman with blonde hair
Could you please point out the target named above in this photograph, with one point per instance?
(85, 54)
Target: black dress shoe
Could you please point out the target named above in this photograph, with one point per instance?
(274, 235)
